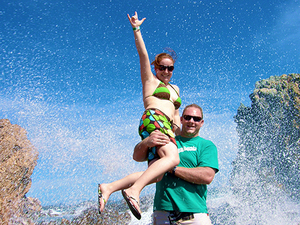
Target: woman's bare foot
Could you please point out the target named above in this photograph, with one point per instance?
(103, 195)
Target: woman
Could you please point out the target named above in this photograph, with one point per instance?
(161, 102)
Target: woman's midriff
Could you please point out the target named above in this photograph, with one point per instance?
(165, 106)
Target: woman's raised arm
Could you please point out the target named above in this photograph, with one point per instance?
(145, 66)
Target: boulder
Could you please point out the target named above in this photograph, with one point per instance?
(18, 157)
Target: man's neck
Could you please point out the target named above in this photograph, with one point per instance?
(189, 136)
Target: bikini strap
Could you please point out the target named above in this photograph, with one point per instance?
(174, 89)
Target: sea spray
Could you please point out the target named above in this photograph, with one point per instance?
(266, 173)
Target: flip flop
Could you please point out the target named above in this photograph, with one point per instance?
(99, 198)
(132, 208)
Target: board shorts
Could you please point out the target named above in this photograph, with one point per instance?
(154, 119)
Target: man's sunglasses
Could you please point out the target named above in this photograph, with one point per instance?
(195, 118)
(163, 68)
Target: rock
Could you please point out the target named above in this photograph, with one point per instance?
(18, 157)
(269, 135)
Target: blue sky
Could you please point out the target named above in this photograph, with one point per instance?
(70, 77)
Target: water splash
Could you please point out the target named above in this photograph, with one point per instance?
(70, 77)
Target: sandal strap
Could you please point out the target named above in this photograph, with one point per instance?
(100, 195)
(133, 198)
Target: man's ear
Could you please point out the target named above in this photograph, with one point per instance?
(202, 123)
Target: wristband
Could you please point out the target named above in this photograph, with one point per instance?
(176, 125)
(173, 171)
(136, 28)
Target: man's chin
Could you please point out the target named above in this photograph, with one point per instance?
(190, 129)
(190, 132)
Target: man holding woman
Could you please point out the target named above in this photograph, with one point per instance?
(180, 197)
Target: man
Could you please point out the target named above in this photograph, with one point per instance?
(180, 196)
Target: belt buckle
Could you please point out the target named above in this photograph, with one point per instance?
(177, 217)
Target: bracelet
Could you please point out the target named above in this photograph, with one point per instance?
(176, 125)
(136, 28)
(173, 171)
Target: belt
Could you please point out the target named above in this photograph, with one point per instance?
(177, 217)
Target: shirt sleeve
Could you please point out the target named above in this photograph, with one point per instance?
(208, 156)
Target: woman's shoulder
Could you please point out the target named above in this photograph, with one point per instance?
(174, 86)
(152, 79)
(150, 85)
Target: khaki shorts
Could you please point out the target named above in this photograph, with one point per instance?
(161, 218)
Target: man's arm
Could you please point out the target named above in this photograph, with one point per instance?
(198, 175)
(156, 138)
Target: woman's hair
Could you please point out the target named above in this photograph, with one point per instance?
(163, 55)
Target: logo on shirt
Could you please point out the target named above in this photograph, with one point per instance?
(187, 149)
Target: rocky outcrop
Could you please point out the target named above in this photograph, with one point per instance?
(18, 157)
(269, 136)
(115, 212)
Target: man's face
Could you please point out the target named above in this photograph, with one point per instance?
(191, 122)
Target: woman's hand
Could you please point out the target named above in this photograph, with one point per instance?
(134, 21)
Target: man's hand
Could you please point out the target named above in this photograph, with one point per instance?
(156, 138)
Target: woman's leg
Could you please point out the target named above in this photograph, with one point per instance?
(109, 188)
(169, 158)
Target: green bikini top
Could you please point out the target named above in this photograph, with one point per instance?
(162, 92)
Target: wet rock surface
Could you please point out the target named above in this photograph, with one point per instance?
(269, 133)
(18, 157)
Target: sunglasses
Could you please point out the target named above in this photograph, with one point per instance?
(195, 118)
(163, 68)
